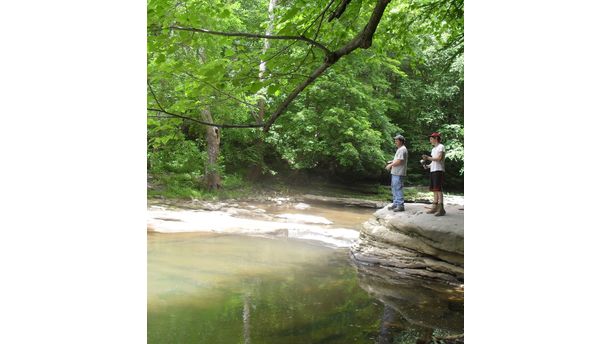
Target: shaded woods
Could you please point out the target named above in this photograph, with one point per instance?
(244, 91)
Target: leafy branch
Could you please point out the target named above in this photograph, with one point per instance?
(206, 123)
(254, 35)
(362, 40)
(162, 110)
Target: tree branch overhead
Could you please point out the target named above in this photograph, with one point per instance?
(362, 40)
(254, 35)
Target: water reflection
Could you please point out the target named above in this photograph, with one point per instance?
(389, 326)
(232, 289)
(228, 289)
(246, 319)
(427, 308)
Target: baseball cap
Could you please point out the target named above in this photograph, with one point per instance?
(399, 137)
(434, 135)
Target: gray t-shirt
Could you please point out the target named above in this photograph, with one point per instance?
(400, 154)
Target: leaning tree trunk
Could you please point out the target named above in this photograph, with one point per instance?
(212, 177)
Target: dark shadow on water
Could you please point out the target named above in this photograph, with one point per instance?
(426, 308)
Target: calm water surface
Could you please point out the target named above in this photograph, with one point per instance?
(347, 217)
(205, 288)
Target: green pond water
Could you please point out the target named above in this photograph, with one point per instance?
(205, 288)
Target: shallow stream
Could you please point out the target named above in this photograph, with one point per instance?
(220, 288)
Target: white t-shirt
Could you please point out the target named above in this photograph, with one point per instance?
(437, 165)
(400, 154)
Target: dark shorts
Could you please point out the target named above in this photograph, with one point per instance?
(436, 180)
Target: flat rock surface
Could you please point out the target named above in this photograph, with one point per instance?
(244, 219)
(445, 232)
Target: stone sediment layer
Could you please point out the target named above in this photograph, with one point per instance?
(413, 243)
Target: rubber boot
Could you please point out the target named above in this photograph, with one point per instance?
(441, 210)
(434, 208)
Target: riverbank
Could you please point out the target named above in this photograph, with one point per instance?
(262, 192)
(329, 225)
(237, 189)
(329, 220)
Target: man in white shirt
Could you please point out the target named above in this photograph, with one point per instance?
(398, 173)
(436, 174)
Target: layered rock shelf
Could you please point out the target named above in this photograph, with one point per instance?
(414, 244)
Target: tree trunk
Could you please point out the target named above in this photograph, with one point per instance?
(212, 178)
(257, 170)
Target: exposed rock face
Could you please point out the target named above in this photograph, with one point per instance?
(414, 244)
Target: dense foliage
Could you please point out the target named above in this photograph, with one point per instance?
(410, 81)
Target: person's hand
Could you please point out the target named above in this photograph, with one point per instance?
(388, 167)
(424, 157)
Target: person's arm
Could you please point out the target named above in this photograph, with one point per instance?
(394, 163)
(438, 157)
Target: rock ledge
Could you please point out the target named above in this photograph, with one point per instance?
(414, 244)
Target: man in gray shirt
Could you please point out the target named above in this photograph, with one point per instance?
(398, 173)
